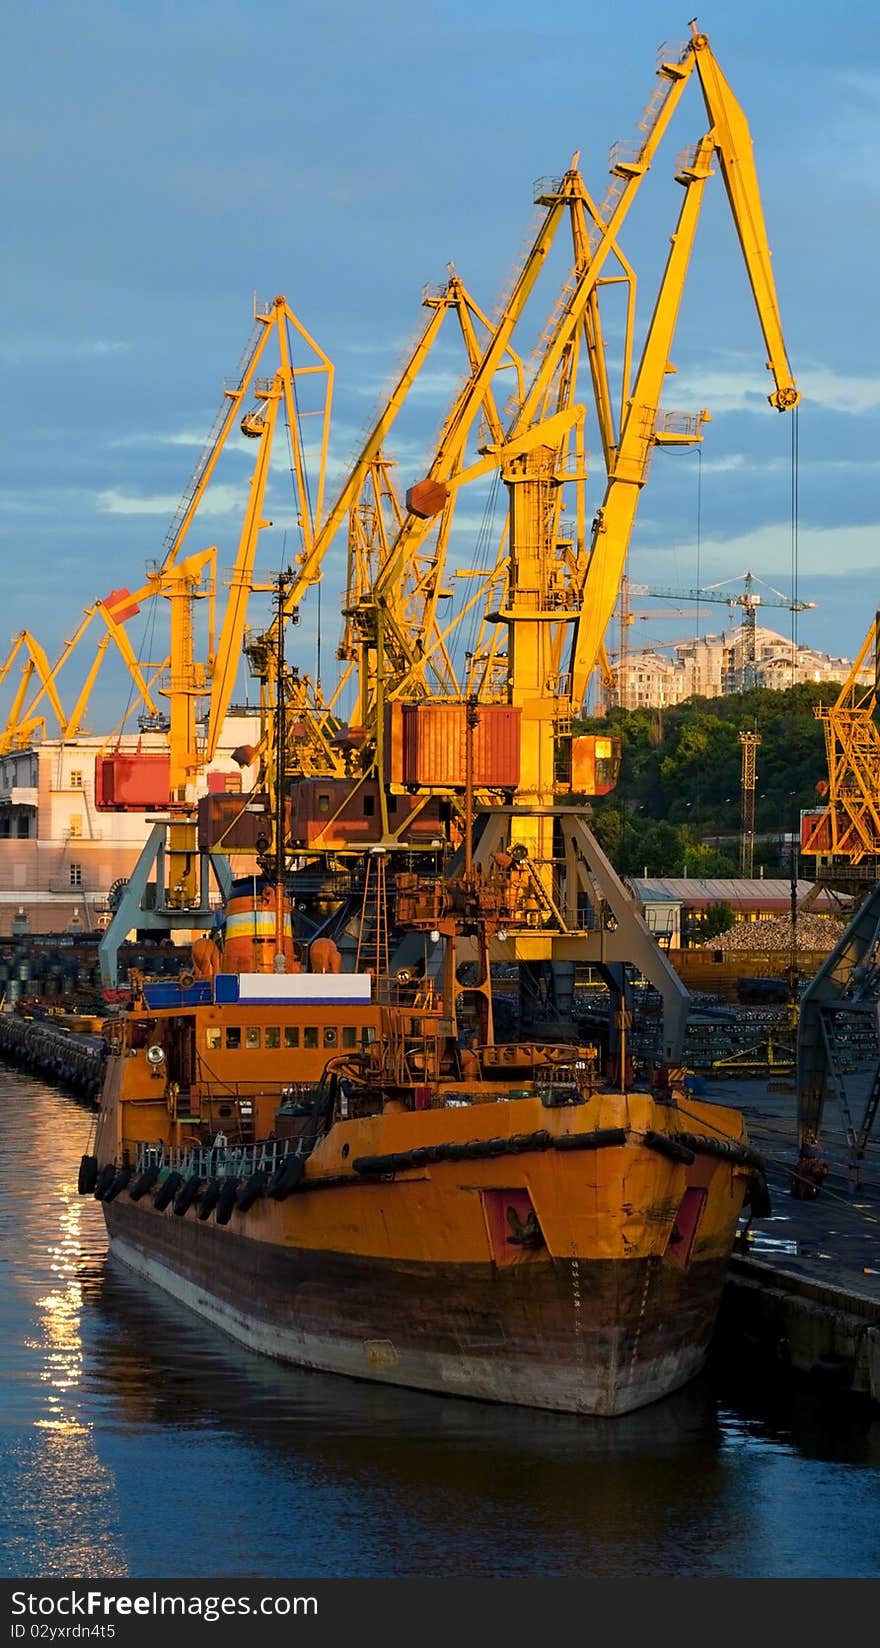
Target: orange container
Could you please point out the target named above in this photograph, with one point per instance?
(231, 823)
(434, 746)
(136, 782)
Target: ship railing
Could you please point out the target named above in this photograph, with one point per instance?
(214, 1161)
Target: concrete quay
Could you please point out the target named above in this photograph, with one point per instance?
(803, 1288)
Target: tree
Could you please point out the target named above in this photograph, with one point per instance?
(717, 919)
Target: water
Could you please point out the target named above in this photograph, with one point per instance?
(137, 1440)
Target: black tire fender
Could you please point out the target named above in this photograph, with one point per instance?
(666, 1146)
(209, 1198)
(287, 1177)
(226, 1202)
(88, 1175)
(143, 1183)
(118, 1183)
(167, 1191)
(248, 1193)
(104, 1181)
(187, 1194)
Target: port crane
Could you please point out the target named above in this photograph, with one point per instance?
(848, 827)
(26, 719)
(183, 580)
(551, 596)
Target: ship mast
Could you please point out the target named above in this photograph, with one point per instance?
(282, 584)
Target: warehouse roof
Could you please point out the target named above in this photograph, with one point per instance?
(756, 893)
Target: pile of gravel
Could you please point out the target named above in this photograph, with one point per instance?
(813, 933)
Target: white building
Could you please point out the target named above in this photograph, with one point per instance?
(712, 666)
(60, 856)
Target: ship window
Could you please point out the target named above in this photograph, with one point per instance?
(76, 780)
(323, 803)
(291, 1035)
(273, 1035)
(213, 1037)
(233, 1035)
(310, 1036)
(330, 1036)
(369, 806)
(368, 1034)
(349, 1035)
(76, 875)
(392, 803)
(76, 825)
(252, 1035)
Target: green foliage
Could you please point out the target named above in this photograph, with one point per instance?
(679, 786)
(717, 919)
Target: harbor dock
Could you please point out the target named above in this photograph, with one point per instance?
(803, 1287)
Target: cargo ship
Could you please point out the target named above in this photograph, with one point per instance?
(320, 1164)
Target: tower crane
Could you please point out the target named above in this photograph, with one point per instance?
(749, 599)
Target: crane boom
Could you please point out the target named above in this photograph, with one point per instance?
(730, 140)
(733, 146)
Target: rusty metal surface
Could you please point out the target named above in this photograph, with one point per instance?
(590, 1337)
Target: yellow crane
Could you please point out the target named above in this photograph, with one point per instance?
(552, 594)
(182, 880)
(26, 719)
(848, 827)
(258, 421)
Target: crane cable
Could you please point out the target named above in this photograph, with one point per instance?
(795, 865)
(795, 505)
(308, 498)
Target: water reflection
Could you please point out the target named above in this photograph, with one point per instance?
(393, 1480)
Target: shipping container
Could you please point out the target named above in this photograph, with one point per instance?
(234, 823)
(136, 781)
(427, 746)
(340, 812)
(224, 783)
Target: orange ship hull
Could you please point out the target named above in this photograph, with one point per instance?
(569, 1259)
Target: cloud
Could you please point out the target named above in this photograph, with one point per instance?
(191, 439)
(218, 500)
(176, 437)
(736, 390)
(37, 351)
(846, 548)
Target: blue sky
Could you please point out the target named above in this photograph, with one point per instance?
(164, 162)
